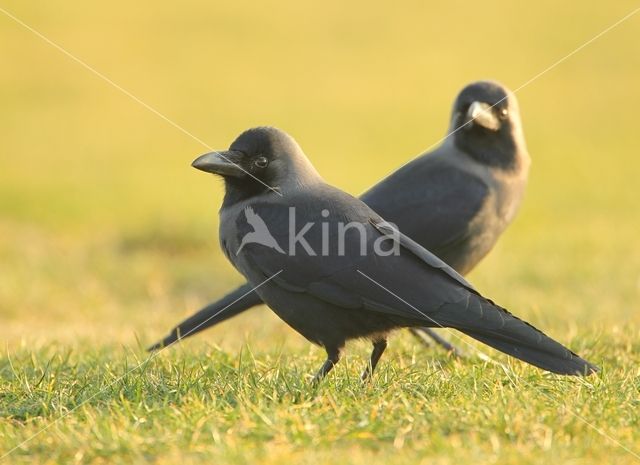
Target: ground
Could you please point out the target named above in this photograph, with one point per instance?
(108, 237)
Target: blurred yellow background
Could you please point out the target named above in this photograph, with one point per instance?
(108, 235)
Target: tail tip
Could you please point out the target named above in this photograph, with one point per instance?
(155, 347)
(582, 367)
(166, 342)
(590, 369)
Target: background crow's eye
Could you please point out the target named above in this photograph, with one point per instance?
(261, 162)
(504, 113)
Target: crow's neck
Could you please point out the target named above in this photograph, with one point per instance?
(502, 153)
(238, 190)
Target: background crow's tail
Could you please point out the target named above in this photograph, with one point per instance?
(243, 298)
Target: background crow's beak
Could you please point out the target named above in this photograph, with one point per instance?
(482, 115)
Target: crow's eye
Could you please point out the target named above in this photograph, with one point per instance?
(261, 162)
(504, 113)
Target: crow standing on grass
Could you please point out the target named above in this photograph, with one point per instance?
(454, 201)
(343, 293)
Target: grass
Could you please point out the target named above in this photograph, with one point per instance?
(238, 408)
(108, 237)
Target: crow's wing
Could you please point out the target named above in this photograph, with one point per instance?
(435, 202)
(338, 276)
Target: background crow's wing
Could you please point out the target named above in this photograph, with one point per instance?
(437, 203)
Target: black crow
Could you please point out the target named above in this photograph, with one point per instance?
(346, 273)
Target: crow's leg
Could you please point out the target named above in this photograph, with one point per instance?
(333, 356)
(424, 334)
(378, 349)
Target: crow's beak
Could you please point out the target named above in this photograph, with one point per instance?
(221, 163)
(480, 113)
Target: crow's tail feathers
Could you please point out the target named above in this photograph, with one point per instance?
(507, 333)
(238, 301)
